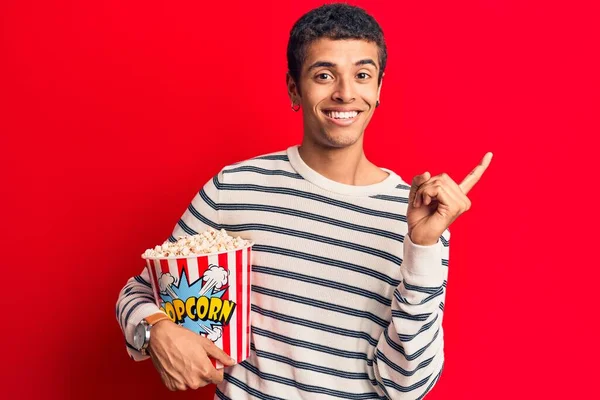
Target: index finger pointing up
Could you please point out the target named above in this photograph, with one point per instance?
(467, 184)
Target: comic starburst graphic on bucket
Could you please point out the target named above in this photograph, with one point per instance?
(198, 306)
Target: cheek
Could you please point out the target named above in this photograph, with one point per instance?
(313, 94)
(311, 101)
(369, 93)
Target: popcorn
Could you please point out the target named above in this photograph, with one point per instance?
(202, 282)
(209, 241)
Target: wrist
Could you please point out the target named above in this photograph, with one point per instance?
(145, 327)
(159, 327)
(420, 240)
(158, 330)
(156, 318)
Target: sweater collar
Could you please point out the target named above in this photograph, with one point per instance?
(385, 186)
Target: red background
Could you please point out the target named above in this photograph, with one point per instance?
(113, 114)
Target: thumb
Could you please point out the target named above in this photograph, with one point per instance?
(213, 351)
(416, 182)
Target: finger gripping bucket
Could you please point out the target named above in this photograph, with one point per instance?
(208, 294)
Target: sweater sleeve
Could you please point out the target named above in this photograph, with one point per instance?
(409, 357)
(136, 300)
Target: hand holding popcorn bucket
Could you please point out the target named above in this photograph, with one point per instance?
(202, 282)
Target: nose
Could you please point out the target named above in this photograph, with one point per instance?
(343, 92)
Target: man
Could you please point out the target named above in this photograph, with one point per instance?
(349, 263)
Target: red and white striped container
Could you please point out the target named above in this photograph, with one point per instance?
(187, 273)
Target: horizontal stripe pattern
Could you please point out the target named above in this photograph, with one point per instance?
(259, 269)
(334, 313)
(317, 198)
(309, 366)
(263, 171)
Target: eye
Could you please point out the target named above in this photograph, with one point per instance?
(323, 76)
(363, 75)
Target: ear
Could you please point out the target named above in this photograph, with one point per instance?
(293, 89)
(379, 88)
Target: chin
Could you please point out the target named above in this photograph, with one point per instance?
(339, 139)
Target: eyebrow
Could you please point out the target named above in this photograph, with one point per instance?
(329, 64)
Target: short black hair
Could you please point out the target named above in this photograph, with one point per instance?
(335, 21)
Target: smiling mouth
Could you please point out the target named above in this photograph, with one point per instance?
(341, 115)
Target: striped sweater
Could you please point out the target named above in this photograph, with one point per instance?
(344, 305)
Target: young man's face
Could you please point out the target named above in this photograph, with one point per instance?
(338, 90)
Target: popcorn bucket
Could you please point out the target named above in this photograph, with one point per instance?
(208, 294)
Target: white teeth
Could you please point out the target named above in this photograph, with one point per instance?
(341, 115)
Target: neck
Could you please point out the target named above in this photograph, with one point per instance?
(347, 165)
